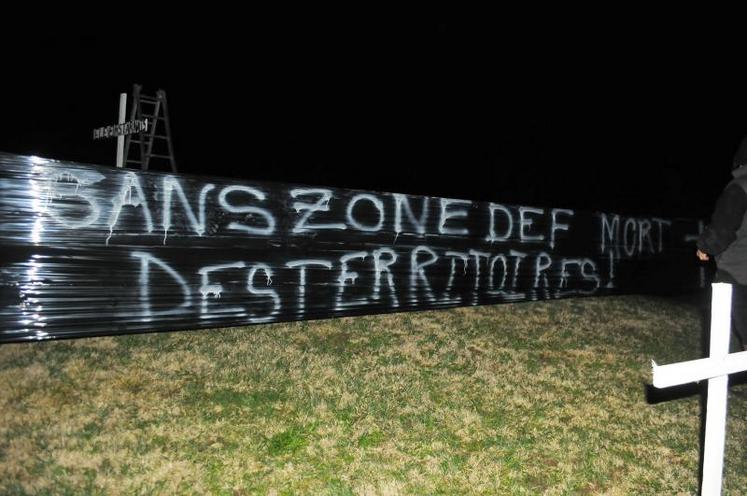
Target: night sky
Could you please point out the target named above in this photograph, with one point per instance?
(575, 120)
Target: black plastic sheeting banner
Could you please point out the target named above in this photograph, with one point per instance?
(88, 250)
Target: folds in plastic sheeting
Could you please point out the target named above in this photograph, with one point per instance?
(88, 250)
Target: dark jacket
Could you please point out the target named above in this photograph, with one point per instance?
(726, 236)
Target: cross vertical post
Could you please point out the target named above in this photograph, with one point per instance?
(121, 139)
(718, 389)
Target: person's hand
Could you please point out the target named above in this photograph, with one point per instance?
(702, 256)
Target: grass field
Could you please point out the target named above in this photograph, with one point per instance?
(529, 398)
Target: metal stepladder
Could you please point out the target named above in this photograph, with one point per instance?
(155, 142)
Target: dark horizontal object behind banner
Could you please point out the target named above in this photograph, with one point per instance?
(89, 250)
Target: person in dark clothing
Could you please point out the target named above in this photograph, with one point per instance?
(725, 238)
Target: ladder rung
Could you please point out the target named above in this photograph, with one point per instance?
(159, 156)
(148, 99)
(153, 117)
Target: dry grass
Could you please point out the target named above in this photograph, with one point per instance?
(540, 398)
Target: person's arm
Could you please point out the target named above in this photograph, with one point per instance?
(726, 220)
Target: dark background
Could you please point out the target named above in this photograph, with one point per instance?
(596, 120)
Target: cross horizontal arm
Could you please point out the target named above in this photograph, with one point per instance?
(676, 374)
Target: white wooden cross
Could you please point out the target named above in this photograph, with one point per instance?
(716, 368)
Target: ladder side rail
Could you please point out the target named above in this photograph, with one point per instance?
(151, 134)
(143, 157)
(133, 113)
(162, 96)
